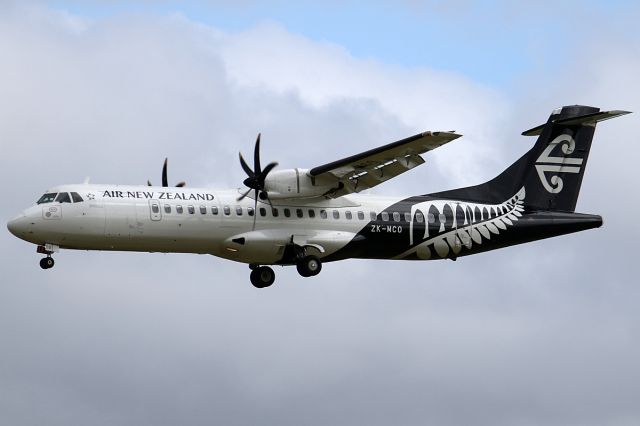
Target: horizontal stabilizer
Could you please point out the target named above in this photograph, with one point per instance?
(587, 119)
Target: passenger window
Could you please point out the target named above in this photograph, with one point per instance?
(167, 208)
(299, 213)
(250, 211)
(238, 211)
(287, 213)
(179, 209)
(76, 197)
(431, 218)
(274, 211)
(373, 215)
(226, 210)
(263, 211)
(407, 217)
(323, 214)
(203, 210)
(385, 216)
(396, 217)
(361, 215)
(348, 214)
(312, 213)
(191, 209)
(419, 217)
(47, 198)
(336, 214)
(63, 197)
(214, 210)
(155, 208)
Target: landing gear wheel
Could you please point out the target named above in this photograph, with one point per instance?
(262, 277)
(46, 262)
(309, 266)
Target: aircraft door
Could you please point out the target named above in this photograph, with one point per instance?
(154, 210)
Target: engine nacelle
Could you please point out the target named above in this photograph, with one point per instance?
(295, 183)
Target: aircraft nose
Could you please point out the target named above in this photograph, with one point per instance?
(18, 225)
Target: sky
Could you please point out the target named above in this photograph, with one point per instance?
(543, 333)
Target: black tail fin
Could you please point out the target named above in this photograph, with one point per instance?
(551, 172)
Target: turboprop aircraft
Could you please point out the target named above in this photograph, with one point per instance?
(306, 217)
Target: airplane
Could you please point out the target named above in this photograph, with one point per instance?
(307, 217)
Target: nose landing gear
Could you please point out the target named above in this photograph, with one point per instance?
(48, 249)
(47, 262)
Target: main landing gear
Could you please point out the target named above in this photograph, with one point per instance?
(263, 276)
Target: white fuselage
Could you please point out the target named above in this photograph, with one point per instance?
(194, 220)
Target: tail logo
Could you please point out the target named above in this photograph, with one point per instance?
(546, 163)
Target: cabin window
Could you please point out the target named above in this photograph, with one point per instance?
(214, 210)
(76, 197)
(167, 208)
(287, 213)
(63, 197)
(443, 218)
(263, 211)
(373, 215)
(312, 213)
(361, 215)
(47, 198)
(407, 217)
(191, 209)
(250, 211)
(336, 214)
(348, 215)
(396, 217)
(323, 214)
(274, 211)
(238, 211)
(226, 210)
(419, 217)
(385, 216)
(431, 218)
(179, 209)
(155, 208)
(203, 210)
(299, 213)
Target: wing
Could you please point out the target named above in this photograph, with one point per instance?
(370, 168)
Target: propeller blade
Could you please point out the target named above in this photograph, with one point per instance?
(256, 156)
(240, 198)
(255, 210)
(246, 167)
(181, 184)
(165, 181)
(266, 171)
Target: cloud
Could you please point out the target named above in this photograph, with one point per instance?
(542, 333)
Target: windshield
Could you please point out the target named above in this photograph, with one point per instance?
(47, 198)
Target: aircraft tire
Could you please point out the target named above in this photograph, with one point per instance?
(262, 277)
(309, 266)
(46, 262)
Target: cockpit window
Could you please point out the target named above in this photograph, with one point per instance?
(76, 197)
(63, 197)
(47, 198)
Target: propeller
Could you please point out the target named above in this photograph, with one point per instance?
(165, 181)
(256, 178)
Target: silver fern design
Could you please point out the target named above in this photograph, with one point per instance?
(451, 226)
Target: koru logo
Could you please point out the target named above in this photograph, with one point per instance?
(548, 164)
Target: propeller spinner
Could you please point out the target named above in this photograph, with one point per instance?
(165, 181)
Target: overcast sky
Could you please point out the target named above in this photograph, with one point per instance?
(544, 333)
